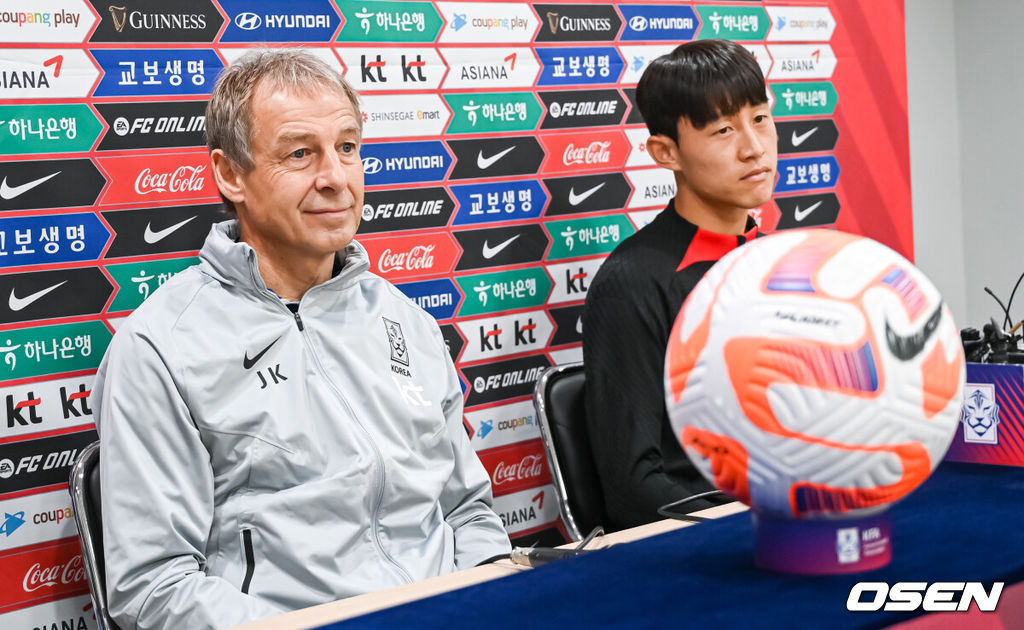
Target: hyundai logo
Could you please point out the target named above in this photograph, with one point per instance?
(248, 21)
(638, 23)
(372, 165)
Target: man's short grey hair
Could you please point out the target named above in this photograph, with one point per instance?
(229, 124)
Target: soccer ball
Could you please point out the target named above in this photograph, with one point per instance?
(814, 374)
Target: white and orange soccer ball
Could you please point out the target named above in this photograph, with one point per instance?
(814, 374)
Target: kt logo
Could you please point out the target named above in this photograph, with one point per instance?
(576, 282)
(372, 71)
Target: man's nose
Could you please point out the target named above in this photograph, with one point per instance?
(753, 144)
(331, 174)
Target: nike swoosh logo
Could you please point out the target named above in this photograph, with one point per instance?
(486, 162)
(575, 200)
(798, 140)
(491, 252)
(16, 303)
(8, 192)
(248, 363)
(152, 237)
(906, 347)
(800, 215)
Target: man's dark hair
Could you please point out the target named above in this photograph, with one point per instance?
(702, 81)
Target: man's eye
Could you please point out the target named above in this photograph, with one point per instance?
(760, 118)
(300, 153)
(348, 147)
(723, 131)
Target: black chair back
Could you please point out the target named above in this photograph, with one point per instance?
(84, 486)
(558, 400)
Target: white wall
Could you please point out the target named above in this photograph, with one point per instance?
(965, 66)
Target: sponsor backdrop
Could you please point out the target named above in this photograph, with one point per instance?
(505, 159)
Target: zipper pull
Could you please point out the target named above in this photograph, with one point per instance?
(298, 320)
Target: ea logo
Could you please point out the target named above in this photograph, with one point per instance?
(121, 126)
(367, 212)
(555, 110)
(6, 468)
(479, 384)
(372, 165)
(638, 23)
(248, 21)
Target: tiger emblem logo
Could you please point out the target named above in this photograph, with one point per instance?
(980, 415)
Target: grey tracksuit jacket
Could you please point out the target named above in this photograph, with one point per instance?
(254, 461)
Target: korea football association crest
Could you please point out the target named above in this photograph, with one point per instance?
(980, 414)
(397, 345)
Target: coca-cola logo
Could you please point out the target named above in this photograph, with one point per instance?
(597, 152)
(182, 179)
(37, 577)
(419, 258)
(530, 467)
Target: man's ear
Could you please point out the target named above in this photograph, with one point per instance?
(664, 151)
(227, 176)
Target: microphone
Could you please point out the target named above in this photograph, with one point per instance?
(536, 556)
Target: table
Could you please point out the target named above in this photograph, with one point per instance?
(963, 524)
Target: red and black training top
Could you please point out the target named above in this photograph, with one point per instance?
(631, 306)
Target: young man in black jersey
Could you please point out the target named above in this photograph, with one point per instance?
(706, 106)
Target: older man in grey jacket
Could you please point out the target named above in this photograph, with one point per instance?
(281, 427)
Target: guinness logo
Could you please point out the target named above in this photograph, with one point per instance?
(120, 16)
(553, 22)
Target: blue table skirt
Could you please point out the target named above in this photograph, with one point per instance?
(965, 523)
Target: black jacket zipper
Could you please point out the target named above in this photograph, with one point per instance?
(250, 560)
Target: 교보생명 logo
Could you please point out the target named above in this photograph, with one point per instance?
(156, 72)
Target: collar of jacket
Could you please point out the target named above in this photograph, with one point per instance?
(236, 263)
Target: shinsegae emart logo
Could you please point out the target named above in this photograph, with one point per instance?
(575, 238)
(374, 21)
(495, 112)
(503, 290)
